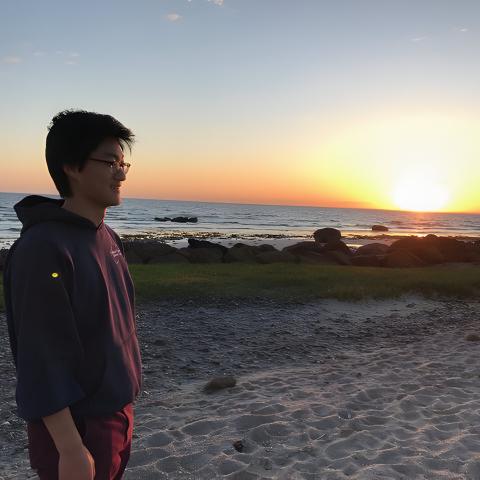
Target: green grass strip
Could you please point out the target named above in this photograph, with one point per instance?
(300, 282)
(297, 282)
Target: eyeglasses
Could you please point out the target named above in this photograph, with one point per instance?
(115, 167)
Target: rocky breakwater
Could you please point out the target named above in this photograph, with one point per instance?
(418, 252)
(326, 248)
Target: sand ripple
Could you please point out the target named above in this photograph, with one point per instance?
(402, 411)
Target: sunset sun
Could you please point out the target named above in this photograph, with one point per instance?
(420, 194)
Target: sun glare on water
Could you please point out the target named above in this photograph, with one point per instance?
(420, 195)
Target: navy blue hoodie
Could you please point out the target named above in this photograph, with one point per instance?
(70, 309)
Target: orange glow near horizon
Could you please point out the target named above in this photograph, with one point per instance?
(418, 162)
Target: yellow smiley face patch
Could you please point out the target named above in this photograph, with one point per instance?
(55, 275)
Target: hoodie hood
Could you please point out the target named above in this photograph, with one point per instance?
(35, 209)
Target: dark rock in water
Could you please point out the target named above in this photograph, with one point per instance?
(379, 228)
(177, 219)
(219, 383)
(402, 258)
(194, 243)
(326, 235)
(184, 219)
(238, 446)
(372, 249)
(202, 255)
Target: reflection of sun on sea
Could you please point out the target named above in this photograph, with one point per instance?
(420, 195)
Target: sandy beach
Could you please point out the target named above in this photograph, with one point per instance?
(324, 390)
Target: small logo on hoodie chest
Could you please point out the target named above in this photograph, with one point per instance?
(115, 253)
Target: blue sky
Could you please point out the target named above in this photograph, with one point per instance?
(234, 81)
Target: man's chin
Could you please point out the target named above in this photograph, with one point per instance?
(115, 200)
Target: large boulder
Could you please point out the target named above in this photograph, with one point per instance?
(175, 257)
(433, 250)
(379, 228)
(302, 247)
(315, 258)
(194, 243)
(327, 235)
(336, 245)
(276, 257)
(425, 249)
(202, 255)
(146, 250)
(132, 257)
(241, 253)
(401, 258)
(474, 253)
(368, 260)
(266, 247)
(314, 253)
(339, 256)
(372, 249)
(454, 250)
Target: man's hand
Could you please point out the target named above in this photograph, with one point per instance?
(77, 464)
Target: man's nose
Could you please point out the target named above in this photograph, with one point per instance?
(121, 175)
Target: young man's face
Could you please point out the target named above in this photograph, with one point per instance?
(98, 182)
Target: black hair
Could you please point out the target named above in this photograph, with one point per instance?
(73, 135)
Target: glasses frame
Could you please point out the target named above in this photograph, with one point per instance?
(125, 167)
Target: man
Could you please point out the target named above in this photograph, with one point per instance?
(71, 309)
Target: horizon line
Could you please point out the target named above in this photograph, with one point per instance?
(276, 204)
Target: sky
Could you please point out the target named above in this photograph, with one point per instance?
(348, 103)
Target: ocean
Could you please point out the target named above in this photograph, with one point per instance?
(260, 223)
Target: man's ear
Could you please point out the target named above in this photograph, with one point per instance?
(70, 170)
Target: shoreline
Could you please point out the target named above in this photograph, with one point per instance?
(341, 389)
(278, 241)
(179, 239)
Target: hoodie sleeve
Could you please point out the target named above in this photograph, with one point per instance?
(47, 346)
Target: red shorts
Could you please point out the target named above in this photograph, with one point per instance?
(108, 439)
